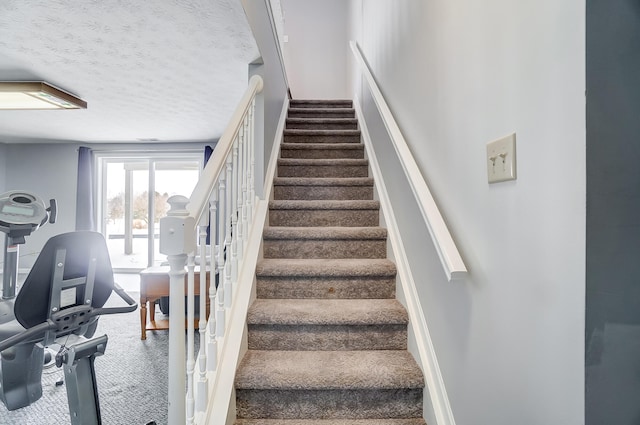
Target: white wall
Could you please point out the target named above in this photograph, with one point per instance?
(50, 171)
(458, 74)
(316, 54)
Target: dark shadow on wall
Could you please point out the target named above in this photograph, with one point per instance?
(612, 334)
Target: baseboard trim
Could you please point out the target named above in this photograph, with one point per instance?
(426, 355)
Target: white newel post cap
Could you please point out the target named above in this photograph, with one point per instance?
(177, 229)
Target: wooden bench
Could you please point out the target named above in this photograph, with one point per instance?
(154, 284)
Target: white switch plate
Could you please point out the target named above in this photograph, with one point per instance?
(501, 159)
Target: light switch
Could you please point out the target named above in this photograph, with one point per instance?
(501, 159)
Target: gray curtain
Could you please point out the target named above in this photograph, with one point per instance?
(85, 196)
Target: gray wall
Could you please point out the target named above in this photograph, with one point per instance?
(3, 155)
(613, 211)
(50, 171)
(317, 51)
(275, 84)
(458, 74)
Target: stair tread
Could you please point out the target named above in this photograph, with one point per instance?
(320, 132)
(413, 421)
(312, 162)
(327, 312)
(353, 267)
(324, 233)
(321, 101)
(322, 120)
(286, 204)
(328, 370)
(322, 109)
(323, 146)
(323, 181)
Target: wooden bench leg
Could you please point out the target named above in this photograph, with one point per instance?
(143, 319)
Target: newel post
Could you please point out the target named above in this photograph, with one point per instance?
(177, 240)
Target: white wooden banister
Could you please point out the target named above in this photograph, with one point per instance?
(223, 202)
(447, 250)
(198, 201)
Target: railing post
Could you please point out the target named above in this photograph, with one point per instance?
(239, 202)
(245, 170)
(190, 337)
(212, 344)
(222, 238)
(177, 239)
(228, 237)
(201, 383)
(251, 176)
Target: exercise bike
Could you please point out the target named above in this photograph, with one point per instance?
(21, 213)
(62, 297)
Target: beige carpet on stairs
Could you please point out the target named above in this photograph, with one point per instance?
(327, 338)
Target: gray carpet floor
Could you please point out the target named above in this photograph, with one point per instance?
(132, 379)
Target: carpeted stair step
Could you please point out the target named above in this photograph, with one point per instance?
(322, 123)
(294, 167)
(324, 324)
(322, 150)
(324, 213)
(325, 242)
(321, 113)
(320, 103)
(329, 385)
(325, 278)
(412, 421)
(323, 188)
(322, 136)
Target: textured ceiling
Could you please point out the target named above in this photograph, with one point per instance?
(171, 70)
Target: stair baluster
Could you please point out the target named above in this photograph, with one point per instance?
(222, 226)
(229, 237)
(239, 202)
(201, 383)
(212, 344)
(190, 336)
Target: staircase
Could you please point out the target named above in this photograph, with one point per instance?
(327, 339)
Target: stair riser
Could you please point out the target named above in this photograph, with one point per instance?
(329, 404)
(327, 337)
(320, 104)
(319, 287)
(314, 218)
(323, 192)
(322, 153)
(322, 138)
(323, 171)
(286, 248)
(311, 125)
(326, 113)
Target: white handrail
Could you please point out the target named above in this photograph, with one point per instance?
(449, 255)
(224, 197)
(198, 202)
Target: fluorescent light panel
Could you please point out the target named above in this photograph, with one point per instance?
(36, 95)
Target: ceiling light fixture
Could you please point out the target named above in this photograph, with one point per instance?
(36, 95)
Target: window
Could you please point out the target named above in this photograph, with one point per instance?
(133, 198)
